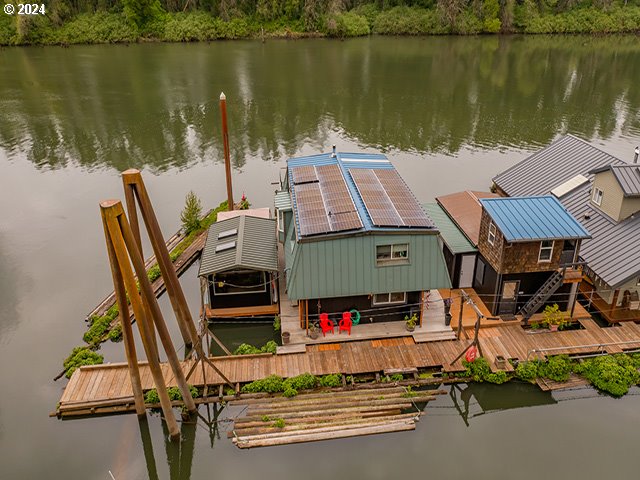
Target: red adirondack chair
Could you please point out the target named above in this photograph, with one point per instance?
(326, 325)
(345, 323)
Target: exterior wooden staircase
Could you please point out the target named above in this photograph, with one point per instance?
(538, 299)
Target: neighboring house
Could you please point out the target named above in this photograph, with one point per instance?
(525, 243)
(459, 253)
(239, 266)
(601, 191)
(462, 212)
(354, 237)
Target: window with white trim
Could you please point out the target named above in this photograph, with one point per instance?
(390, 298)
(492, 233)
(392, 254)
(280, 220)
(597, 196)
(546, 251)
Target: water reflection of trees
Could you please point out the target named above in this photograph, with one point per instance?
(154, 105)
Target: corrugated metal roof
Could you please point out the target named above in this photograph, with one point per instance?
(451, 234)
(552, 166)
(524, 219)
(465, 210)
(628, 176)
(347, 161)
(612, 252)
(256, 246)
(282, 200)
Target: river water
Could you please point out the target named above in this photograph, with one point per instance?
(449, 112)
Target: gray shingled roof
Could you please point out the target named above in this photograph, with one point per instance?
(552, 166)
(628, 176)
(255, 245)
(612, 252)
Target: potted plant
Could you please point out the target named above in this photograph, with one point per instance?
(553, 318)
(411, 322)
(313, 331)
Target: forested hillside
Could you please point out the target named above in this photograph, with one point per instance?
(108, 21)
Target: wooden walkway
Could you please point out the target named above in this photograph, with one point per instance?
(107, 389)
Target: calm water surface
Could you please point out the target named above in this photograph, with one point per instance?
(449, 112)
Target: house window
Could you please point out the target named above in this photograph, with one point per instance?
(392, 254)
(480, 272)
(280, 221)
(239, 282)
(546, 250)
(390, 298)
(597, 196)
(638, 282)
(492, 233)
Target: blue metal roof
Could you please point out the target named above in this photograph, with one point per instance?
(348, 161)
(523, 219)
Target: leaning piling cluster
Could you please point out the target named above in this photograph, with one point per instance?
(309, 417)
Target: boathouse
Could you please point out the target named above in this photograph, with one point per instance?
(239, 265)
(355, 238)
(603, 193)
(528, 247)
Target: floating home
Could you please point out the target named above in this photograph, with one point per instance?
(528, 247)
(239, 267)
(355, 238)
(603, 193)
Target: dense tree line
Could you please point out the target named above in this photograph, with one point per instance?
(105, 21)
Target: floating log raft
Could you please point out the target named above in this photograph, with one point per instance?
(313, 417)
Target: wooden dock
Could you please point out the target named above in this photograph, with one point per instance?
(609, 313)
(106, 388)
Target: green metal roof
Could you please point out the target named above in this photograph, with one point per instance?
(451, 234)
(247, 242)
(282, 200)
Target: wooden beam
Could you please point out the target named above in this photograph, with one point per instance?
(112, 211)
(225, 142)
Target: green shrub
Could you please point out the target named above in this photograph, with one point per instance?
(290, 392)
(276, 323)
(478, 370)
(490, 11)
(154, 273)
(557, 368)
(115, 335)
(97, 330)
(190, 216)
(269, 347)
(396, 377)
(141, 12)
(271, 384)
(80, 356)
(613, 375)
(246, 349)
(112, 313)
(408, 21)
(279, 423)
(527, 371)
(331, 380)
(99, 27)
(498, 377)
(152, 396)
(303, 381)
(347, 24)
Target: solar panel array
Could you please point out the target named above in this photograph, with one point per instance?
(378, 203)
(340, 208)
(387, 198)
(323, 200)
(304, 174)
(403, 200)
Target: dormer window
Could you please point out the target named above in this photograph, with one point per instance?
(597, 196)
(546, 251)
(492, 233)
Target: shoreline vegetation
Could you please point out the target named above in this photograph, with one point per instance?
(69, 22)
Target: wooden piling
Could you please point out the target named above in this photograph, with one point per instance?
(225, 141)
(113, 212)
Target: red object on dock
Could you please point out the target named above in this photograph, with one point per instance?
(471, 354)
(326, 325)
(345, 323)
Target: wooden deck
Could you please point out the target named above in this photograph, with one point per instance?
(252, 311)
(609, 313)
(107, 388)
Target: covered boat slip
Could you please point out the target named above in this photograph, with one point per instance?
(239, 269)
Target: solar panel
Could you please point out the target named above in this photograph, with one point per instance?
(340, 209)
(304, 174)
(379, 205)
(312, 217)
(403, 200)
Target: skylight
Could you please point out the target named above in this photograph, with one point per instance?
(568, 186)
(225, 246)
(228, 233)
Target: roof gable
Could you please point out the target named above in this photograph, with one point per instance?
(627, 176)
(465, 210)
(525, 219)
(240, 242)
